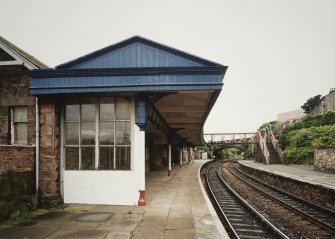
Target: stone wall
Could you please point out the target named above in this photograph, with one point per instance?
(311, 192)
(16, 158)
(17, 162)
(49, 183)
(17, 193)
(14, 91)
(326, 104)
(324, 160)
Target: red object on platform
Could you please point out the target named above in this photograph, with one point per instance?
(141, 201)
(169, 172)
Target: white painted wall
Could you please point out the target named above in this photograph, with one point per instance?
(110, 187)
(101, 187)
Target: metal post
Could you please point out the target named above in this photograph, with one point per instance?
(169, 153)
(180, 156)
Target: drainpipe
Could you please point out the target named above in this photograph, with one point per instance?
(37, 143)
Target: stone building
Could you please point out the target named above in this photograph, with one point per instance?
(105, 118)
(17, 126)
(327, 103)
(289, 116)
(17, 109)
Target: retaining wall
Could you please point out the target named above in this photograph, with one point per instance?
(324, 160)
(314, 193)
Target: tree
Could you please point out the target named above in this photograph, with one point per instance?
(311, 103)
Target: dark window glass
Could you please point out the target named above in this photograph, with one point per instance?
(122, 158)
(71, 133)
(122, 134)
(71, 158)
(106, 134)
(107, 109)
(72, 113)
(87, 133)
(87, 158)
(106, 158)
(88, 112)
(122, 109)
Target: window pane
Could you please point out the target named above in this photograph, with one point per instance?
(20, 133)
(88, 112)
(87, 158)
(106, 158)
(106, 136)
(122, 109)
(107, 109)
(87, 133)
(72, 158)
(71, 133)
(72, 112)
(20, 114)
(122, 136)
(122, 158)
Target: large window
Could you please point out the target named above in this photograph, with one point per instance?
(19, 125)
(97, 134)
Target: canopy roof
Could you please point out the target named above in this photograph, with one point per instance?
(187, 85)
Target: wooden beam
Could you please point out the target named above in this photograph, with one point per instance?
(182, 109)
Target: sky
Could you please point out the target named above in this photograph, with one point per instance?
(279, 53)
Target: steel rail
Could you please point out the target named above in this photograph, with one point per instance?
(270, 227)
(312, 219)
(231, 228)
(319, 207)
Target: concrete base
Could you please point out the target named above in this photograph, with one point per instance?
(141, 201)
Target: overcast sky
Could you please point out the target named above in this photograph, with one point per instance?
(279, 52)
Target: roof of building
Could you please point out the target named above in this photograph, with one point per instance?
(183, 87)
(137, 40)
(13, 55)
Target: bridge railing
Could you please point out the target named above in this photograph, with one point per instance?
(262, 145)
(276, 146)
(230, 138)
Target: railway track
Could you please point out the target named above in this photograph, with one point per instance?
(241, 220)
(319, 218)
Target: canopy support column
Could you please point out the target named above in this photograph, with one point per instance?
(169, 153)
(141, 158)
(141, 122)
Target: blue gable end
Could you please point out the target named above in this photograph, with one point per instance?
(137, 52)
(136, 55)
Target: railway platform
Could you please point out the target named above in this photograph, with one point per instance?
(176, 207)
(302, 173)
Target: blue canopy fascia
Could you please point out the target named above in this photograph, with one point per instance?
(46, 82)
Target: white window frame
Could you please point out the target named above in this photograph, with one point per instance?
(97, 133)
(13, 123)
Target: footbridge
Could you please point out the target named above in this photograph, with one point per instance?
(230, 138)
(268, 148)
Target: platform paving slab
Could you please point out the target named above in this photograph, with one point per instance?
(176, 208)
(26, 233)
(304, 173)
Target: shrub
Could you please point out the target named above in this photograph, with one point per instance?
(300, 144)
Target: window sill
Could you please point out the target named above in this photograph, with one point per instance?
(17, 145)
